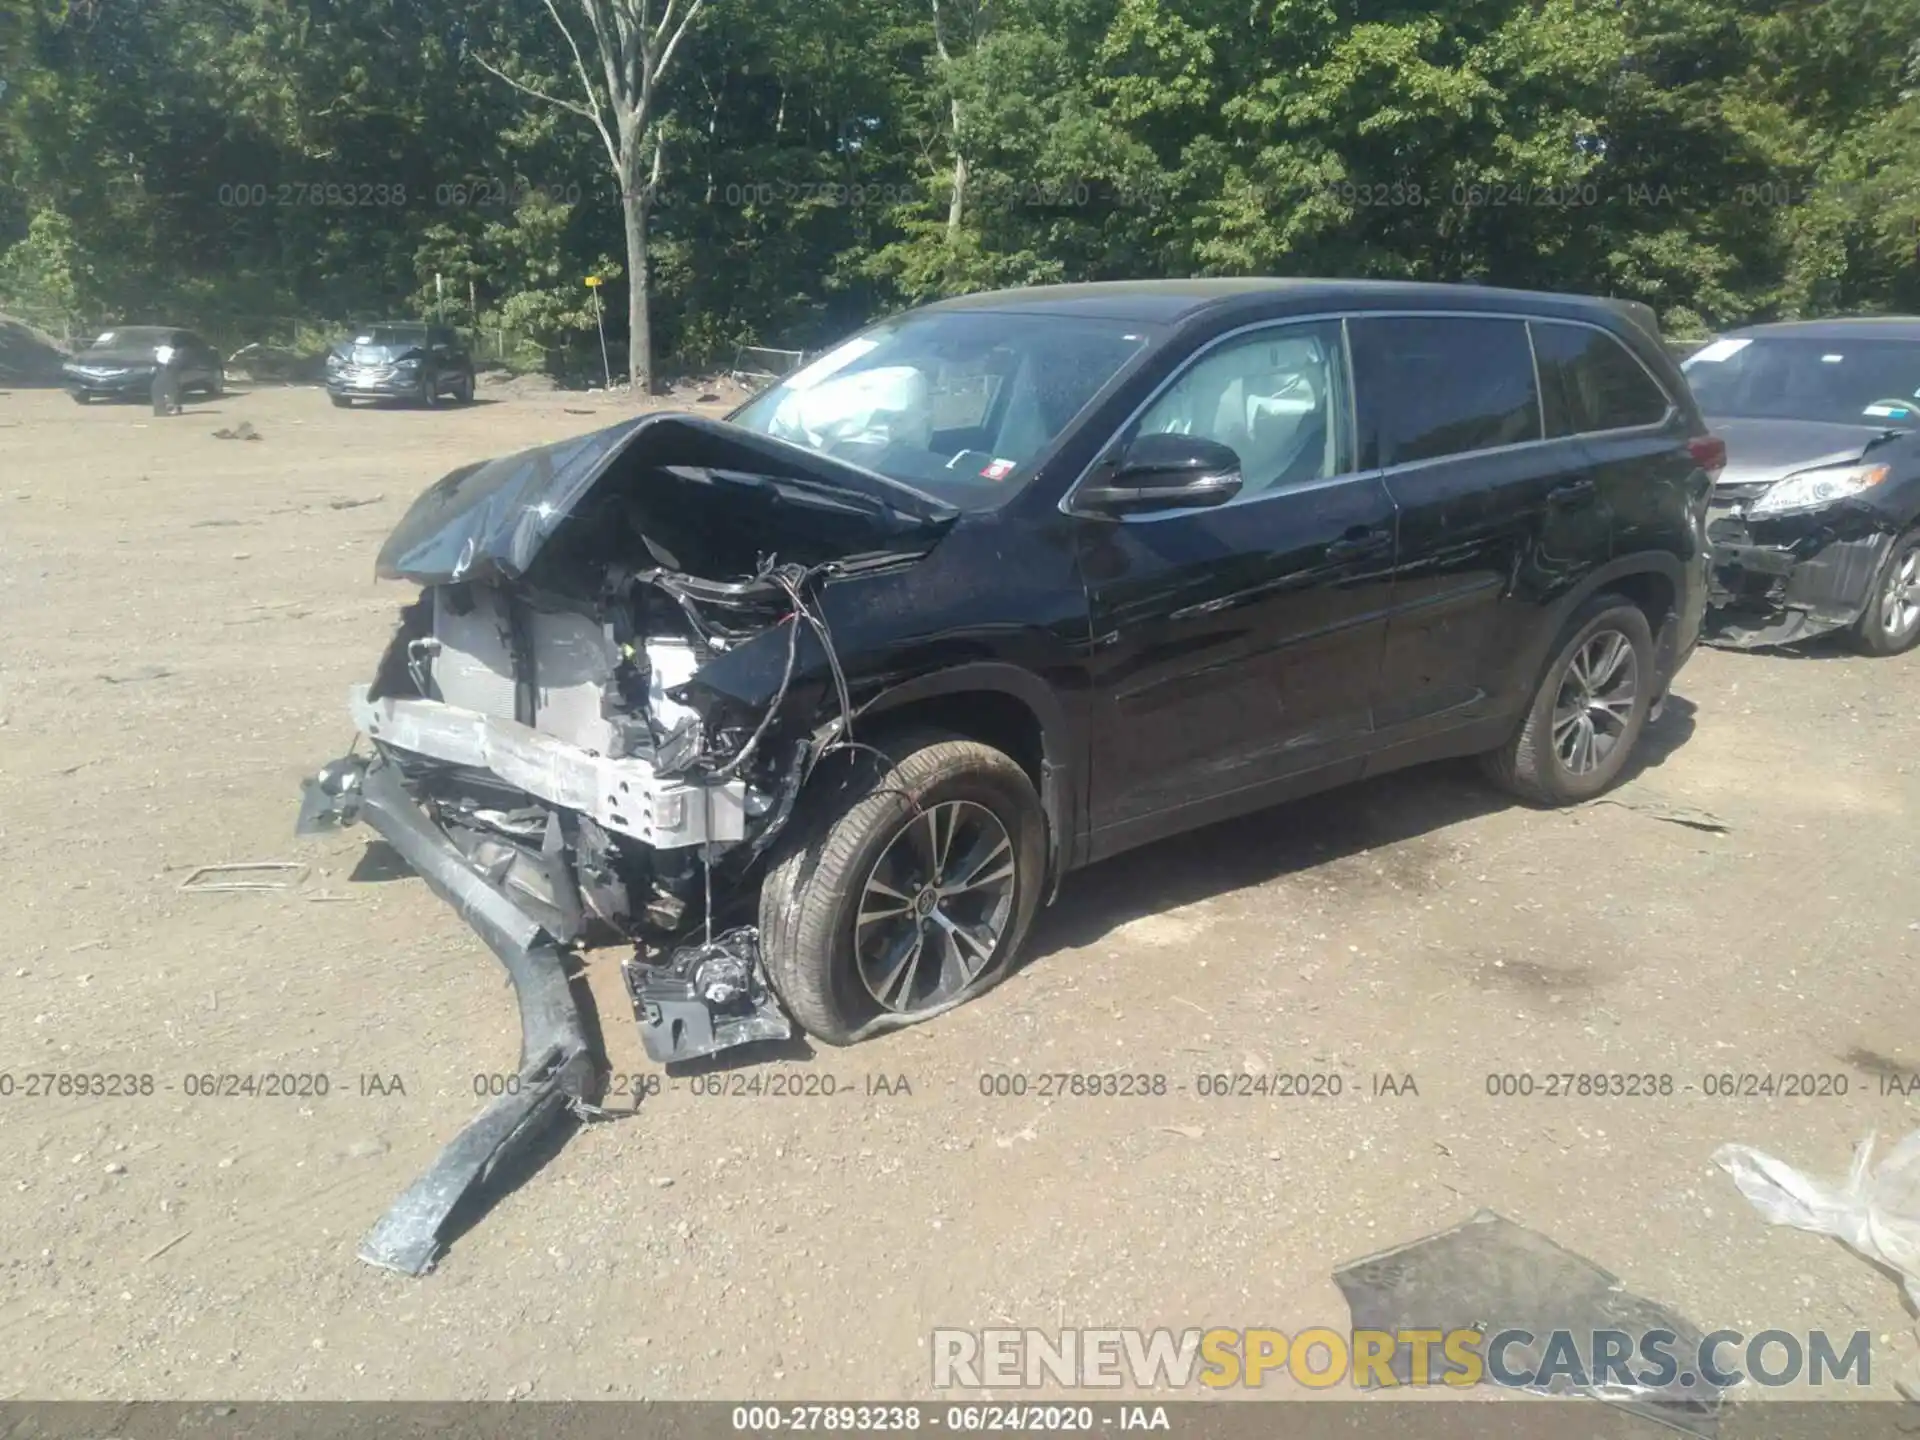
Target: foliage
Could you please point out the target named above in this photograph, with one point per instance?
(214, 160)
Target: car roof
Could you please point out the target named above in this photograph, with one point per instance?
(1169, 302)
(1845, 327)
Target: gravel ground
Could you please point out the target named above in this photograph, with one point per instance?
(184, 614)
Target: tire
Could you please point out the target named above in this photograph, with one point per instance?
(1890, 625)
(1545, 768)
(430, 392)
(81, 397)
(217, 387)
(341, 402)
(810, 901)
(463, 391)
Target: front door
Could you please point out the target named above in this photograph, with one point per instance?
(1236, 647)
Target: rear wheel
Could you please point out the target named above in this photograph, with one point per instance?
(463, 389)
(906, 892)
(1589, 710)
(1891, 622)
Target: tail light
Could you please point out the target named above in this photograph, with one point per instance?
(1709, 453)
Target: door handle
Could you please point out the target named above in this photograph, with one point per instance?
(1572, 490)
(1356, 543)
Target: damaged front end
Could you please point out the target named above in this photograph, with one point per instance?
(593, 723)
(1781, 579)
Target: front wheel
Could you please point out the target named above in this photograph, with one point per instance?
(1891, 622)
(1589, 711)
(463, 389)
(905, 892)
(341, 402)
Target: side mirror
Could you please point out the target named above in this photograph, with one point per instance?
(1164, 472)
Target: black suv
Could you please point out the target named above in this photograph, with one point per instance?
(814, 706)
(400, 360)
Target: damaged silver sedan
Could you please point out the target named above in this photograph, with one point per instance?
(1813, 517)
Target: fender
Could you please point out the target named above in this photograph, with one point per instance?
(1641, 562)
(1062, 788)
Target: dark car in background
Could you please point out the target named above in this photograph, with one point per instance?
(1813, 520)
(121, 364)
(815, 706)
(400, 360)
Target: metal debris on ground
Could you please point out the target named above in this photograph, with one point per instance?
(206, 878)
(243, 431)
(1875, 1212)
(1492, 1275)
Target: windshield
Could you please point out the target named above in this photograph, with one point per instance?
(131, 339)
(389, 337)
(955, 403)
(1860, 382)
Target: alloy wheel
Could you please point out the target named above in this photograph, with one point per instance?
(935, 906)
(1595, 703)
(1900, 597)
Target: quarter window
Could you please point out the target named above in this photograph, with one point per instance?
(1589, 382)
(1277, 398)
(1442, 385)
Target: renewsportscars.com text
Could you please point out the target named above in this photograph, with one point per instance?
(1320, 1358)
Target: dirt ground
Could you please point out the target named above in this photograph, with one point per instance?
(182, 617)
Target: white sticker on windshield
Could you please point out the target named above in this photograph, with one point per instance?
(1719, 350)
(1831, 359)
(363, 339)
(830, 363)
(104, 339)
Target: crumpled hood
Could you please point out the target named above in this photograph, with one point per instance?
(1761, 451)
(489, 520)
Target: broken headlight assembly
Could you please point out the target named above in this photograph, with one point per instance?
(1816, 489)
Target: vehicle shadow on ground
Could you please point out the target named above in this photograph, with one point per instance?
(1298, 836)
(1831, 646)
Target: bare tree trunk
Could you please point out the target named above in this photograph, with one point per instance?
(635, 45)
(639, 298)
(957, 206)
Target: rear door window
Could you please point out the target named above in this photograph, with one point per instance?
(1431, 386)
(1589, 382)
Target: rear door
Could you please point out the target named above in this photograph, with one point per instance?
(1237, 646)
(1496, 517)
(1633, 432)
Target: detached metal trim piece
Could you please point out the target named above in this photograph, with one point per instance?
(625, 796)
(558, 1071)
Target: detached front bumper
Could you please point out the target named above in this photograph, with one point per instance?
(1790, 579)
(558, 1069)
